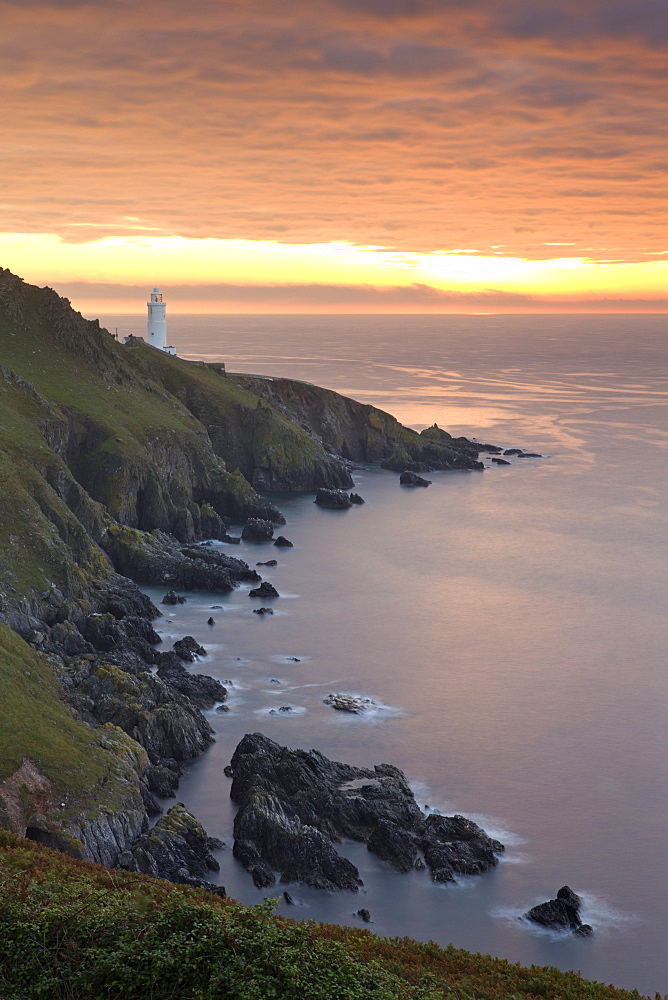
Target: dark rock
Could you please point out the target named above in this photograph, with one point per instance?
(356, 498)
(247, 853)
(148, 709)
(513, 451)
(283, 543)
(176, 848)
(263, 611)
(490, 449)
(265, 589)
(188, 648)
(269, 562)
(156, 558)
(211, 621)
(216, 607)
(283, 710)
(295, 804)
(529, 454)
(364, 914)
(163, 780)
(412, 479)
(171, 597)
(456, 844)
(394, 844)
(202, 690)
(288, 898)
(257, 530)
(584, 930)
(334, 499)
(500, 461)
(561, 913)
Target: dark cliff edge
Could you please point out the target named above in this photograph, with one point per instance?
(115, 460)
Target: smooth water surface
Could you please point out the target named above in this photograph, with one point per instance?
(508, 624)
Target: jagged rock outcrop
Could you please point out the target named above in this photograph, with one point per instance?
(294, 805)
(156, 558)
(257, 530)
(412, 479)
(335, 499)
(561, 913)
(177, 848)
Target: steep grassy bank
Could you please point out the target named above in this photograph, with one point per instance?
(61, 779)
(73, 930)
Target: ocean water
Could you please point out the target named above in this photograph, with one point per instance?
(508, 624)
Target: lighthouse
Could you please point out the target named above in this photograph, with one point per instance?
(156, 326)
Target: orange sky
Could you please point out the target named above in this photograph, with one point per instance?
(337, 155)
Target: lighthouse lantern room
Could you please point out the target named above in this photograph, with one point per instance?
(156, 326)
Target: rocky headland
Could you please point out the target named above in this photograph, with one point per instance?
(116, 462)
(295, 805)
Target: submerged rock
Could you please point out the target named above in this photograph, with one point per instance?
(334, 499)
(500, 461)
(265, 589)
(364, 915)
(283, 543)
(348, 703)
(561, 913)
(294, 805)
(269, 562)
(263, 611)
(412, 479)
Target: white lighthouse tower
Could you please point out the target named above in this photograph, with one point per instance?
(156, 326)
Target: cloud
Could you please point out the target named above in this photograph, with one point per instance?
(425, 124)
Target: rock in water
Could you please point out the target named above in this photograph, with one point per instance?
(269, 562)
(334, 499)
(171, 597)
(295, 804)
(356, 498)
(257, 530)
(500, 461)
(211, 621)
(265, 589)
(412, 479)
(561, 913)
(283, 543)
(364, 915)
(188, 648)
(263, 611)
(348, 703)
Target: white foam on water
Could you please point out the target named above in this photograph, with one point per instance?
(372, 710)
(277, 714)
(290, 658)
(604, 919)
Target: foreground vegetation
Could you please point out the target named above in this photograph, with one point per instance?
(70, 930)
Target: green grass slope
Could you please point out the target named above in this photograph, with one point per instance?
(73, 930)
(55, 770)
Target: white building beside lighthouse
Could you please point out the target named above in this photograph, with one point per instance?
(156, 326)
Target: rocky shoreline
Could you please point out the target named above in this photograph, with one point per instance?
(117, 470)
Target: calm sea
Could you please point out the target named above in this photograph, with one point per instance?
(510, 624)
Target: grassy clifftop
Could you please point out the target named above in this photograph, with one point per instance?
(73, 930)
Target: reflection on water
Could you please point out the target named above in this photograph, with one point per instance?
(513, 618)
